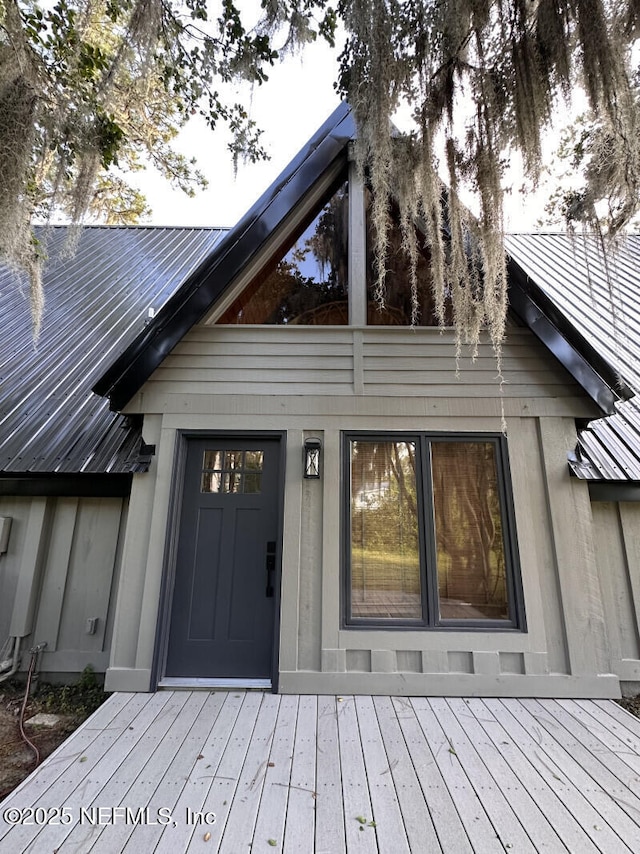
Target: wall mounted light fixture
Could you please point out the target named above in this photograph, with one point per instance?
(312, 448)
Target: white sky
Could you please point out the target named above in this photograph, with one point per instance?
(290, 107)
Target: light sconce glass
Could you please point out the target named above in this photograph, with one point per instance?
(312, 448)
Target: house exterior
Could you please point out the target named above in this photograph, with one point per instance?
(311, 499)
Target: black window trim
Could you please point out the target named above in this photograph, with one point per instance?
(430, 622)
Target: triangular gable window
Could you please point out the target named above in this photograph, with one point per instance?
(308, 286)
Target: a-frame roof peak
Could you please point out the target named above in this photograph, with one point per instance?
(205, 286)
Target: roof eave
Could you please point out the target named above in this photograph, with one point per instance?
(597, 377)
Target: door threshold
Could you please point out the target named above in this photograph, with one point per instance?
(192, 683)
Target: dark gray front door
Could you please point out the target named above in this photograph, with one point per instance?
(222, 612)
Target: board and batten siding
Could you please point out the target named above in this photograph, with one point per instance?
(321, 381)
(617, 540)
(61, 571)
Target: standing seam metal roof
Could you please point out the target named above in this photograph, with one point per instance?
(599, 293)
(97, 301)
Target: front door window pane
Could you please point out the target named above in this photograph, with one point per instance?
(232, 472)
(471, 562)
(385, 560)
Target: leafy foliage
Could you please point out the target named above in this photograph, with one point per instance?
(483, 79)
(87, 85)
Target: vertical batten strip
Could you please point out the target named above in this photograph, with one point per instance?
(357, 250)
(629, 512)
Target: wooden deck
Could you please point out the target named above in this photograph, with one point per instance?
(252, 772)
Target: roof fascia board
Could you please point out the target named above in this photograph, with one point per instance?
(607, 491)
(596, 376)
(97, 485)
(201, 290)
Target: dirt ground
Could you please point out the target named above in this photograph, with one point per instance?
(17, 760)
(71, 704)
(631, 704)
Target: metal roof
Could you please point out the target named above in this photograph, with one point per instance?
(97, 301)
(598, 291)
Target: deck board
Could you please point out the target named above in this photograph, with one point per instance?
(167, 710)
(541, 776)
(355, 788)
(245, 773)
(615, 711)
(330, 830)
(504, 819)
(195, 792)
(471, 714)
(78, 784)
(442, 805)
(226, 783)
(238, 833)
(418, 823)
(275, 792)
(301, 811)
(613, 829)
(475, 819)
(69, 752)
(184, 766)
(593, 755)
(389, 825)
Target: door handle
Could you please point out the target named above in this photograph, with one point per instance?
(271, 567)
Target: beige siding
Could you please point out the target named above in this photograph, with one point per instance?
(340, 361)
(617, 539)
(64, 576)
(323, 381)
(17, 509)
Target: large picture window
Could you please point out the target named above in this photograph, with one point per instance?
(429, 539)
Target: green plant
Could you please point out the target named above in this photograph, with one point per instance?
(80, 698)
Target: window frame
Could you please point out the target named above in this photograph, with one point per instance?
(426, 534)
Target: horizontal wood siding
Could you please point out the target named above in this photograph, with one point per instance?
(251, 360)
(345, 361)
(402, 362)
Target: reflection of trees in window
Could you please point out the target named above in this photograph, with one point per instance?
(459, 569)
(385, 563)
(469, 537)
(309, 284)
(398, 307)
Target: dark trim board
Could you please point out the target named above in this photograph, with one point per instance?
(173, 531)
(613, 491)
(76, 485)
